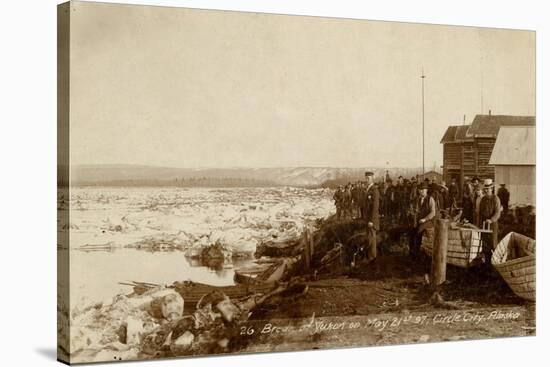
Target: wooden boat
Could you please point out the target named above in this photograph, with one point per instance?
(515, 260)
(192, 292)
(279, 248)
(463, 248)
(249, 274)
(265, 273)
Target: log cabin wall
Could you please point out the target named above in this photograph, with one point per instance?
(483, 148)
(459, 157)
(452, 161)
(466, 159)
(469, 160)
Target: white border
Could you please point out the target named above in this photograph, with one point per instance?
(28, 151)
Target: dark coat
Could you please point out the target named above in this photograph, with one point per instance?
(439, 200)
(453, 193)
(372, 206)
(504, 196)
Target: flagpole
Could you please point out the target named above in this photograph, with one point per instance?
(423, 151)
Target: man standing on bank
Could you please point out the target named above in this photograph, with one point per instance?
(489, 212)
(425, 211)
(372, 204)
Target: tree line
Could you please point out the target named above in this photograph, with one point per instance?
(184, 182)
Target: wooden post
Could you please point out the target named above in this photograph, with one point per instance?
(371, 237)
(439, 254)
(307, 250)
(311, 246)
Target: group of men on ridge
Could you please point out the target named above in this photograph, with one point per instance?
(414, 204)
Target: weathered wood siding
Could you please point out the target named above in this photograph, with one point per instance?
(468, 159)
(484, 148)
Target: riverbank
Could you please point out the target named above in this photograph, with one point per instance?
(328, 305)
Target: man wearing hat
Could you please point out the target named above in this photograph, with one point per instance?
(391, 200)
(372, 215)
(478, 195)
(504, 196)
(346, 202)
(425, 212)
(403, 200)
(362, 198)
(467, 199)
(453, 193)
(489, 212)
(413, 195)
(434, 191)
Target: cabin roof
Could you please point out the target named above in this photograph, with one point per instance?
(515, 145)
(455, 134)
(489, 125)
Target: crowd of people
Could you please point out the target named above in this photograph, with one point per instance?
(414, 203)
(398, 198)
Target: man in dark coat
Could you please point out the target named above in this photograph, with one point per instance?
(489, 214)
(384, 211)
(346, 202)
(402, 198)
(425, 212)
(453, 193)
(413, 194)
(435, 192)
(391, 200)
(362, 198)
(467, 200)
(372, 215)
(445, 200)
(504, 196)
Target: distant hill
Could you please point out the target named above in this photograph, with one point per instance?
(137, 175)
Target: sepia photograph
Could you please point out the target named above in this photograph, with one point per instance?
(240, 182)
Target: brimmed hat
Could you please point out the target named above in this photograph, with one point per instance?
(487, 183)
(423, 186)
(369, 173)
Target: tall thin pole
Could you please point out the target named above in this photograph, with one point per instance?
(481, 80)
(423, 152)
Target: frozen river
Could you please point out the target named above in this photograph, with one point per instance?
(126, 227)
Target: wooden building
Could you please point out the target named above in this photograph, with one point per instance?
(514, 159)
(467, 148)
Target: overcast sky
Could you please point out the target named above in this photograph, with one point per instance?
(192, 88)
